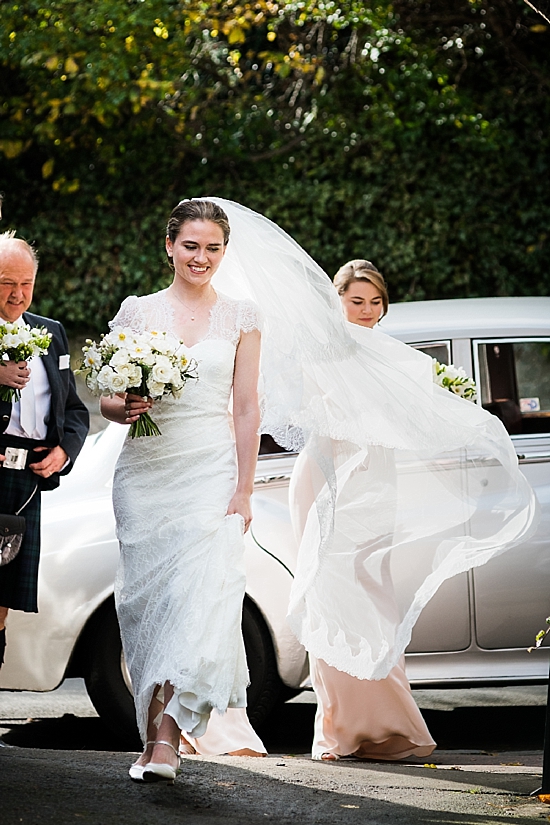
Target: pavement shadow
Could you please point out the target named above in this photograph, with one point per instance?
(68, 732)
(488, 728)
(289, 729)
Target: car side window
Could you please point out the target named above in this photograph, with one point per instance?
(514, 383)
(440, 350)
(268, 446)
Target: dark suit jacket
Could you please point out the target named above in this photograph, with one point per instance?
(69, 420)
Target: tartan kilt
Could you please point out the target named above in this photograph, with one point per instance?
(19, 578)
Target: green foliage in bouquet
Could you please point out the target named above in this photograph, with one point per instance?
(19, 342)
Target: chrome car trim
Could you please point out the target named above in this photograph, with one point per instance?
(272, 480)
(536, 458)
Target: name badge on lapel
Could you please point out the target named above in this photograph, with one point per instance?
(64, 362)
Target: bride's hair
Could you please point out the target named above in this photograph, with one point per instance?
(197, 210)
(360, 270)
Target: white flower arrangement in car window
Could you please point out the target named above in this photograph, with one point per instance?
(455, 380)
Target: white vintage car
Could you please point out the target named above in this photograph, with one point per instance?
(474, 631)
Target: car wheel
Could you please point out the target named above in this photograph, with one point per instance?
(265, 686)
(106, 676)
(108, 682)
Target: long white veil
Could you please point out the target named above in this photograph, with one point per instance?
(395, 473)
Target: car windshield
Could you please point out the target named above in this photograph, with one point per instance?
(514, 378)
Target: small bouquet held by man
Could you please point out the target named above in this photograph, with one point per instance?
(20, 342)
(149, 364)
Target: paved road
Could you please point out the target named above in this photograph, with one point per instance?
(61, 765)
(39, 787)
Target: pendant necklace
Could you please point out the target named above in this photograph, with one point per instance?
(192, 311)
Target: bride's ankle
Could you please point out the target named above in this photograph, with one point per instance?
(165, 751)
(145, 756)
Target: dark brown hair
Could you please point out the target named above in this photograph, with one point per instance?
(360, 270)
(197, 210)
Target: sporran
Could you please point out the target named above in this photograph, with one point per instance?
(12, 530)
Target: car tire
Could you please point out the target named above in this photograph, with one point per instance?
(110, 692)
(105, 678)
(265, 688)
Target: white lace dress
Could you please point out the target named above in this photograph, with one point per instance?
(181, 580)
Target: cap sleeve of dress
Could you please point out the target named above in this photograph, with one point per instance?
(248, 317)
(130, 315)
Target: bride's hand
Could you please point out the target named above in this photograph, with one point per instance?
(134, 406)
(240, 503)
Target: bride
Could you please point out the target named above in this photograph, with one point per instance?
(182, 504)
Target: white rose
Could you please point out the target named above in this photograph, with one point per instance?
(118, 382)
(132, 372)
(104, 378)
(163, 370)
(156, 390)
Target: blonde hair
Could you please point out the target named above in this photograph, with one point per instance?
(9, 243)
(361, 270)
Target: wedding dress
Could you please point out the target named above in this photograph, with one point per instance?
(180, 583)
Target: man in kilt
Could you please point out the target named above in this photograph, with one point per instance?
(40, 435)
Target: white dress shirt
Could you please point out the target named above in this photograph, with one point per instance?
(40, 387)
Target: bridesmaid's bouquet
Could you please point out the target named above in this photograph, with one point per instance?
(19, 342)
(149, 364)
(454, 379)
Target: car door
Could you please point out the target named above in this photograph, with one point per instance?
(444, 624)
(512, 592)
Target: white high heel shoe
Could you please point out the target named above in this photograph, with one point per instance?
(136, 771)
(161, 771)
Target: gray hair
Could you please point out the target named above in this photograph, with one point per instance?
(9, 243)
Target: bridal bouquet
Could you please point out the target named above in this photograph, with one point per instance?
(19, 342)
(149, 364)
(454, 379)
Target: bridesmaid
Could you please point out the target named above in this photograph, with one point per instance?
(359, 717)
